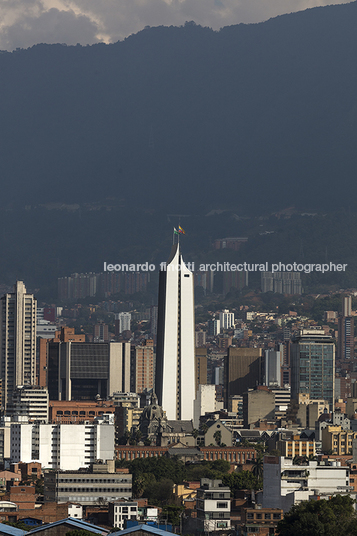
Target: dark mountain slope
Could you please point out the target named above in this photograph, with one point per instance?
(254, 116)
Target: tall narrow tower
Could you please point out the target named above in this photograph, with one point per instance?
(175, 356)
(17, 341)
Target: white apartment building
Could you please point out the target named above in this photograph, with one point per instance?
(124, 320)
(17, 341)
(62, 446)
(213, 505)
(119, 512)
(286, 484)
(31, 402)
(226, 319)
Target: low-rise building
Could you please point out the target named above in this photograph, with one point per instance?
(260, 521)
(289, 448)
(120, 512)
(337, 440)
(213, 505)
(88, 487)
(286, 484)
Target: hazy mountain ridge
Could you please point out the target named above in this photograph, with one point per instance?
(201, 116)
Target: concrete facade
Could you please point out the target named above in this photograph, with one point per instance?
(17, 341)
(87, 488)
(258, 404)
(175, 358)
(286, 484)
(62, 446)
(213, 505)
(205, 403)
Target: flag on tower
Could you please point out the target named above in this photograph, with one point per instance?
(181, 231)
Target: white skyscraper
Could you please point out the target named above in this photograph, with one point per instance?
(17, 341)
(175, 356)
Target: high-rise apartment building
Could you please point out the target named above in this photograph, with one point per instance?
(214, 327)
(17, 341)
(346, 330)
(122, 322)
(142, 367)
(281, 282)
(175, 358)
(30, 402)
(226, 319)
(312, 357)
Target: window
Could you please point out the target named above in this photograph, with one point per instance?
(267, 516)
(222, 505)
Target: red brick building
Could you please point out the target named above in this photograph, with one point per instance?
(233, 455)
(76, 412)
(261, 521)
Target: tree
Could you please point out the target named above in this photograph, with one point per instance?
(258, 465)
(172, 513)
(204, 428)
(242, 480)
(320, 518)
(17, 524)
(217, 437)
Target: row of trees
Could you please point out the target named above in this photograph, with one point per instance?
(333, 517)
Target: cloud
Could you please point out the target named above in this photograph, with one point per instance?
(26, 22)
(34, 24)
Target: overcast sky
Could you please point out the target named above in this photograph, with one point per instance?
(24, 23)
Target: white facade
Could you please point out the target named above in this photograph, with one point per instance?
(175, 360)
(62, 446)
(226, 319)
(213, 505)
(30, 402)
(205, 402)
(121, 512)
(286, 484)
(17, 340)
(75, 511)
(124, 321)
(45, 329)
